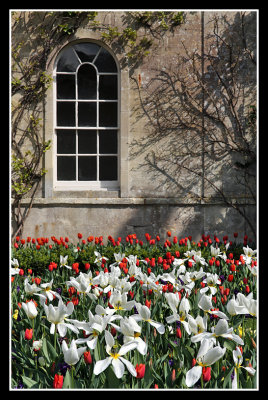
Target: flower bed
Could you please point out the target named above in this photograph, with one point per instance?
(134, 313)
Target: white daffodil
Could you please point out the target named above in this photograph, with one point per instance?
(234, 308)
(188, 283)
(222, 330)
(102, 280)
(31, 289)
(207, 355)
(205, 303)
(144, 314)
(173, 300)
(195, 275)
(63, 262)
(116, 357)
(238, 359)
(118, 259)
(216, 252)
(124, 285)
(179, 262)
(131, 331)
(249, 255)
(72, 354)
(253, 269)
(212, 280)
(119, 301)
(83, 283)
(16, 268)
(198, 327)
(99, 258)
(182, 315)
(195, 257)
(30, 309)
(47, 292)
(112, 283)
(248, 302)
(96, 325)
(57, 315)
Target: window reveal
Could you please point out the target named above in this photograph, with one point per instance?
(86, 115)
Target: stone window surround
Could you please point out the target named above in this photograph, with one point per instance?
(49, 189)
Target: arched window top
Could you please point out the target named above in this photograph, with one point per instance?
(73, 56)
(86, 118)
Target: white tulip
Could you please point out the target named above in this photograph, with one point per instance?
(72, 355)
(207, 355)
(30, 309)
(116, 357)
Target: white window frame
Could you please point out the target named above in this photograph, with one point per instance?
(76, 184)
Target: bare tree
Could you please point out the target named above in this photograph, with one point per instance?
(201, 110)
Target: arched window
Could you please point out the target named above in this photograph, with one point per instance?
(86, 117)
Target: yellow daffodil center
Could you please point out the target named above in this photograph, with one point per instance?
(136, 334)
(113, 352)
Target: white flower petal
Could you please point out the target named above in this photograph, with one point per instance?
(118, 367)
(129, 366)
(101, 365)
(193, 375)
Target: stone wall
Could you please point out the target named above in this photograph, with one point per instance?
(162, 197)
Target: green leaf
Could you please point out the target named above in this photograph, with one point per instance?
(30, 383)
(227, 379)
(229, 345)
(112, 380)
(148, 377)
(67, 382)
(51, 351)
(45, 350)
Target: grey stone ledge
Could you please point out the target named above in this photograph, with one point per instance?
(70, 201)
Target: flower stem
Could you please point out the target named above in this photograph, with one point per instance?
(55, 338)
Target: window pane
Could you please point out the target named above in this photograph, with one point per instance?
(66, 141)
(108, 168)
(86, 51)
(108, 87)
(66, 113)
(68, 61)
(105, 62)
(65, 86)
(87, 168)
(108, 114)
(87, 114)
(108, 142)
(87, 142)
(66, 168)
(87, 82)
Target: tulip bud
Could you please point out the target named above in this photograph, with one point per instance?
(206, 372)
(140, 369)
(173, 375)
(28, 334)
(58, 381)
(87, 357)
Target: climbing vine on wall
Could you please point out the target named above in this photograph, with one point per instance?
(33, 36)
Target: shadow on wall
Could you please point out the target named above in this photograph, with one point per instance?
(200, 136)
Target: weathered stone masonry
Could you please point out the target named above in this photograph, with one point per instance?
(142, 202)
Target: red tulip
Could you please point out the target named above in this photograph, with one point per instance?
(230, 278)
(58, 381)
(206, 373)
(178, 332)
(140, 369)
(28, 334)
(173, 375)
(87, 357)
